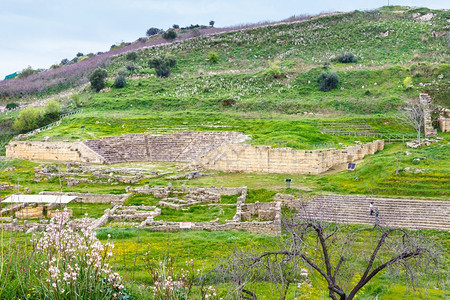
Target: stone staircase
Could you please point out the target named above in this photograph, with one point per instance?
(179, 146)
(400, 213)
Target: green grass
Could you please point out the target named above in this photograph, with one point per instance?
(197, 213)
(208, 249)
(228, 199)
(93, 210)
(147, 200)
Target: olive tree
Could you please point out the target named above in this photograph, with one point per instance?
(163, 64)
(346, 257)
(97, 79)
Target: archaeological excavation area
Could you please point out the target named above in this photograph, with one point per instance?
(219, 151)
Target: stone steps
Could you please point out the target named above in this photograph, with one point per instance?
(178, 146)
(404, 213)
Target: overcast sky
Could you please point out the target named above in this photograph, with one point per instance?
(42, 32)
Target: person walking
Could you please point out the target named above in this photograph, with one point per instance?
(377, 219)
(371, 208)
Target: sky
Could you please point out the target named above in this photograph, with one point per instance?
(39, 33)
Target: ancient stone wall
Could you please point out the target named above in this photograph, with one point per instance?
(265, 227)
(52, 151)
(444, 121)
(265, 159)
(429, 130)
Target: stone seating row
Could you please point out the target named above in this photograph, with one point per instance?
(179, 146)
(404, 213)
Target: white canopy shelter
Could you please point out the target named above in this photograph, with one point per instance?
(39, 199)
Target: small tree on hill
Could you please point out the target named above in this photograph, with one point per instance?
(413, 114)
(120, 82)
(328, 81)
(131, 56)
(27, 72)
(97, 79)
(347, 57)
(169, 35)
(153, 31)
(163, 64)
(211, 23)
(52, 107)
(175, 26)
(28, 119)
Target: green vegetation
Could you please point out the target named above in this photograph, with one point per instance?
(197, 213)
(120, 82)
(169, 35)
(97, 79)
(328, 81)
(262, 82)
(28, 119)
(163, 65)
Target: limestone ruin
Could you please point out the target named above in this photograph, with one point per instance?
(203, 150)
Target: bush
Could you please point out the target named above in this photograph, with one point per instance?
(123, 72)
(273, 71)
(120, 82)
(52, 107)
(12, 105)
(163, 64)
(153, 31)
(328, 81)
(407, 82)
(97, 79)
(27, 72)
(213, 57)
(28, 119)
(346, 57)
(196, 32)
(169, 35)
(131, 67)
(131, 56)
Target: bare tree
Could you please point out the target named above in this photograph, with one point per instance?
(413, 114)
(329, 249)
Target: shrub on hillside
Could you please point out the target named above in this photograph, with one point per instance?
(120, 82)
(52, 107)
(196, 32)
(97, 79)
(163, 64)
(28, 119)
(131, 67)
(273, 71)
(153, 31)
(213, 57)
(123, 72)
(407, 83)
(328, 81)
(27, 72)
(346, 57)
(169, 35)
(12, 105)
(131, 56)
